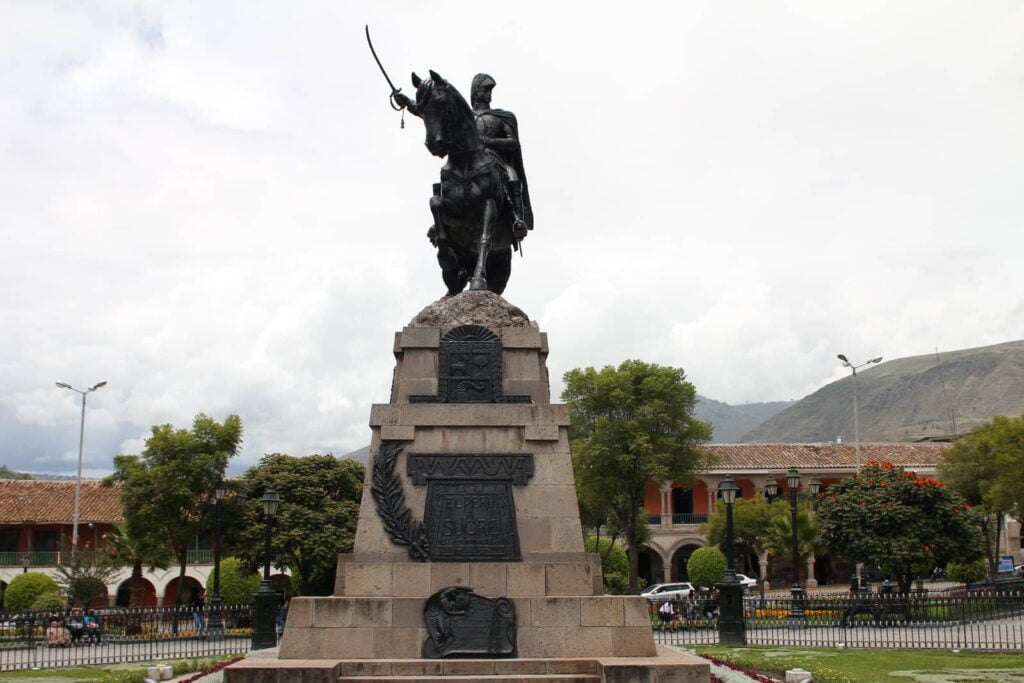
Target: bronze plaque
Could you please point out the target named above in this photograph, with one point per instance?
(471, 520)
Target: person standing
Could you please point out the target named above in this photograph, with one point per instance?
(198, 615)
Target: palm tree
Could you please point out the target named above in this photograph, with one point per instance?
(780, 536)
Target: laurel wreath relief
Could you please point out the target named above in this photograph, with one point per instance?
(387, 493)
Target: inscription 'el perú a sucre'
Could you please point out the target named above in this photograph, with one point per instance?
(470, 513)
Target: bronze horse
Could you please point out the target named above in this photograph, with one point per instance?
(472, 206)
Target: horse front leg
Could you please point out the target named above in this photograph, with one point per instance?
(479, 280)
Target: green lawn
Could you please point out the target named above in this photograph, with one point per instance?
(873, 666)
(109, 672)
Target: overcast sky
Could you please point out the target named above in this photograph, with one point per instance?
(212, 207)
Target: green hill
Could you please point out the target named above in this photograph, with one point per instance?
(908, 398)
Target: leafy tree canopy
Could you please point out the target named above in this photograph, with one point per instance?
(903, 523)
(83, 576)
(8, 473)
(25, 588)
(167, 489)
(706, 566)
(753, 521)
(986, 466)
(630, 425)
(614, 563)
(316, 521)
(237, 582)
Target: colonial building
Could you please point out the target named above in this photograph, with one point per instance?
(36, 525)
(676, 510)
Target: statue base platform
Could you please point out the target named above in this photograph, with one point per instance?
(666, 666)
(470, 487)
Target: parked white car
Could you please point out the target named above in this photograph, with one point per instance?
(660, 592)
(748, 583)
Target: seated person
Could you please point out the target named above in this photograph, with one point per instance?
(56, 634)
(92, 626)
(76, 625)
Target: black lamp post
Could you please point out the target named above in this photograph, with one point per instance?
(216, 622)
(26, 560)
(264, 632)
(731, 629)
(796, 611)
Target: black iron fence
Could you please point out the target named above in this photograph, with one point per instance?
(991, 620)
(51, 639)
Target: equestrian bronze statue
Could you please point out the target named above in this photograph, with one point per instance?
(481, 207)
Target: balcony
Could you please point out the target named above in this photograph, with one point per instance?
(52, 559)
(679, 519)
(687, 518)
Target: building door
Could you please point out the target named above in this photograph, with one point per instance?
(682, 504)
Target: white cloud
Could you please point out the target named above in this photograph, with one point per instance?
(212, 207)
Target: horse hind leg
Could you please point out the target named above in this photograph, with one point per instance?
(452, 272)
(499, 267)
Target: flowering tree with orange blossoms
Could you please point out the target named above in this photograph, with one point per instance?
(903, 523)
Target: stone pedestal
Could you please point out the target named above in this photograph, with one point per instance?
(472, 448)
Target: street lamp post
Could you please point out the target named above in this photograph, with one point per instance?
(81, 442)
(856, 413)
(731, 629)
(216, 622)
(796, 611)
(264, 633)
(26, 561)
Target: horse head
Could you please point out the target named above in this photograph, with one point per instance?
(445, 116)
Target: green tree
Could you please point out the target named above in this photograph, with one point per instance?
(614, 563)
(166, 491)
(320, 497)
(967, 572)
(237, 582)
(706, 566)
(8, 473)
(753, 522)
(83, 576)
(48, 602)
(780, 535)
(986, 467)
(146, 551)
(903, 523)
(25, 588)
(631, 425)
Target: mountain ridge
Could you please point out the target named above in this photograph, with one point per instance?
(908, 398)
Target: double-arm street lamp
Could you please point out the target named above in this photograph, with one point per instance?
(796, 612)
(216, 622)
(264, 633)
(856, 413)
(81, 441)
(731, 629)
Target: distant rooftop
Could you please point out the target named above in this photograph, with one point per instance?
(822, 456)
(42, 502)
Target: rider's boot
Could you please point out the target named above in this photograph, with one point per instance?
(519, 227)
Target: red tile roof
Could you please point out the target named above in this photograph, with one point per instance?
(822, 456)
(41, 502)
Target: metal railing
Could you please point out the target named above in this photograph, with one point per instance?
(654, 520)
(52, 558)
(983, 621)
(48, 639)
(688, 518)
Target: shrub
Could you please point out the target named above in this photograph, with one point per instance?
(614, 564)
(706, 566)
(237, 584)
(25, 588)
(47, 602)
(967, 572)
